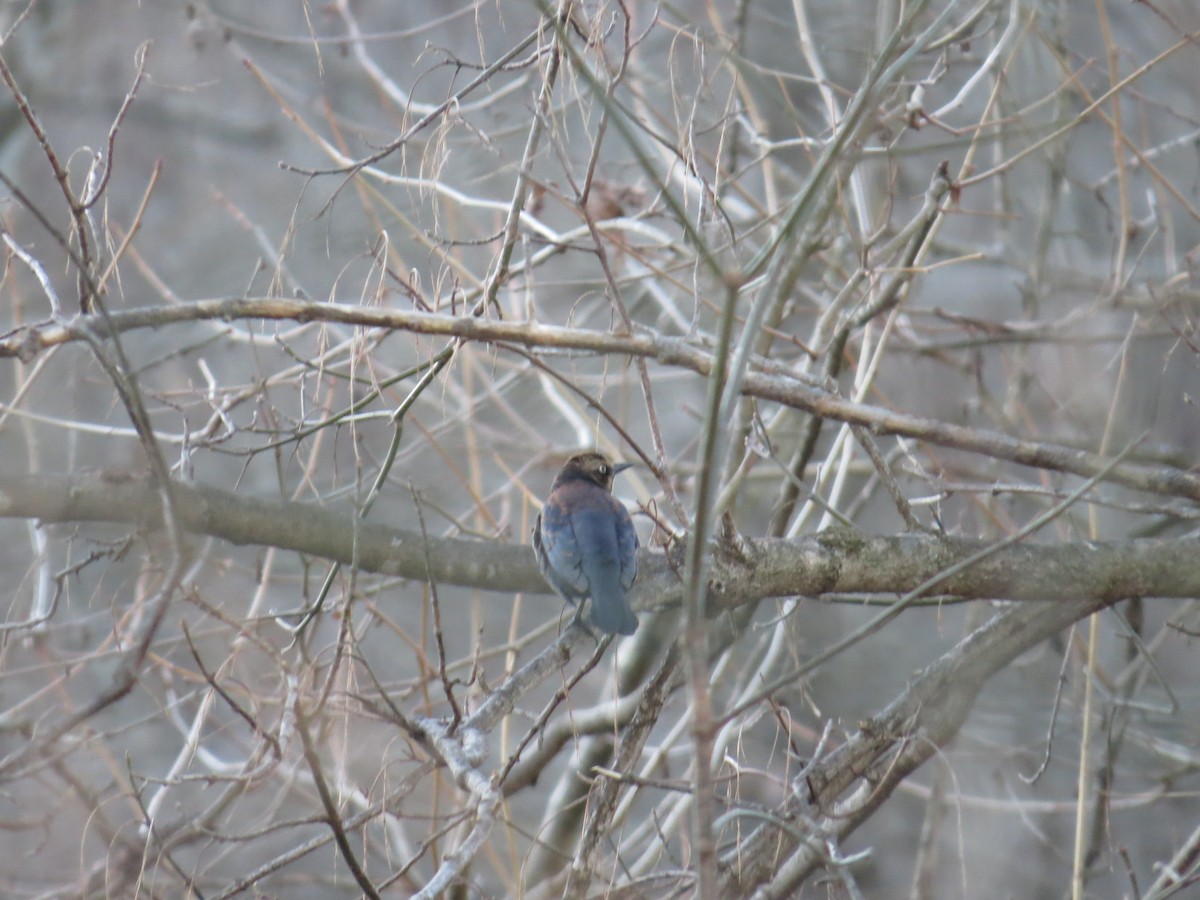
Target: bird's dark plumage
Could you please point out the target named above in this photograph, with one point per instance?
(585, 542)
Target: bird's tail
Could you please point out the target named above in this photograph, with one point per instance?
(610, 609)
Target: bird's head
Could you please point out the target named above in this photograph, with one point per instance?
(593, 467)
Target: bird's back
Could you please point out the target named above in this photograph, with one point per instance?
(590, 543)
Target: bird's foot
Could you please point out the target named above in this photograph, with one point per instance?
(579, 621)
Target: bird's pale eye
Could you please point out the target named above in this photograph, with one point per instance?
(604, 470)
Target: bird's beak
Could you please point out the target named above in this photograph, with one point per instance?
(618, 468)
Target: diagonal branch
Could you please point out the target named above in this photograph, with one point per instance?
(842, 790)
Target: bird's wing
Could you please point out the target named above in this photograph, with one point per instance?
(562, 551)
(627, 545)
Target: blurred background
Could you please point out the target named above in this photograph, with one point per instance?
(1049, 293)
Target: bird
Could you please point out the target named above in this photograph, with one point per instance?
(585, 542)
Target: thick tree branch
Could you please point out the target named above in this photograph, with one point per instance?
(833, 562)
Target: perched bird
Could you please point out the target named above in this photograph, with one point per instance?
(585, 542)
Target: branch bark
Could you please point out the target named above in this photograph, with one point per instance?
(745, 571)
